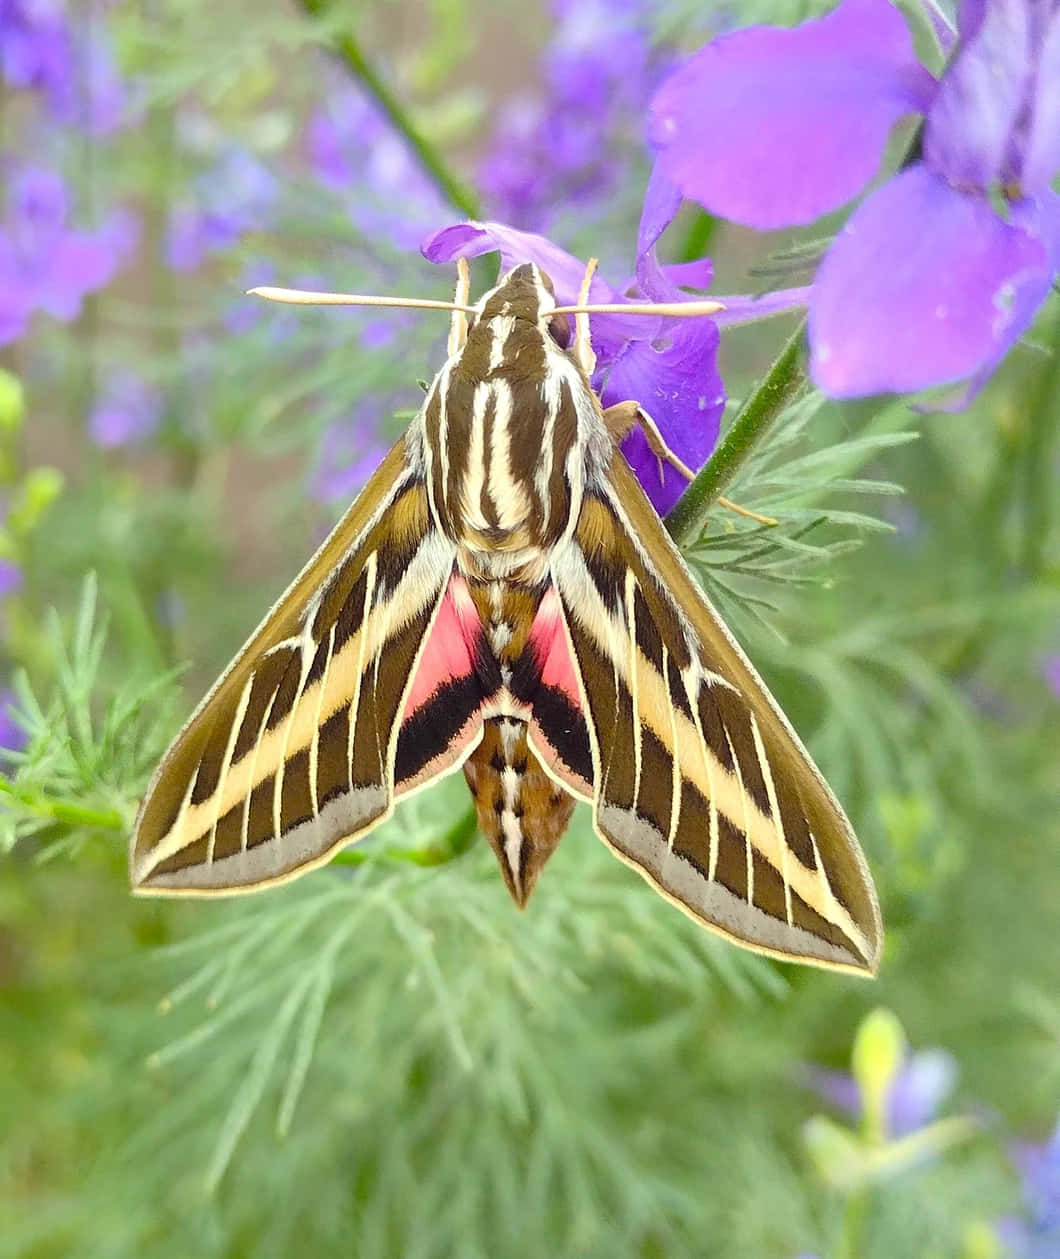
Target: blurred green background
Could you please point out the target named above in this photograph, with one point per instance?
(386, 1058)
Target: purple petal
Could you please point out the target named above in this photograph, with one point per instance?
(773, 127)
(698, 274)
(12, 735)
(970, 14)
(350, 453)
(1039, 217)
(837, 1087)
(971, 119)
(185, 246)
(39, 201)
(1041, 160)
(81, 263)
(129, 410)
(15, 299)
(327, 153)
(470, 240)
(680, 388)
(661, 203)
(742, 308)
(1039, 1167)
(923, 286)
(919, 1089)
(10, 577)
(1051, 673)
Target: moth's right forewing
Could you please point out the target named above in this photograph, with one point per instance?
(701, 784)
(290, 755)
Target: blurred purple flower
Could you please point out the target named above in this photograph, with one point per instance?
(919, 1088)
(12, 736)
(940, 271)
(351, 451)
(10, 577)
(1051, 672)
(98, 101)
(71, 62)
(36, 46)
(235, 196)
(1036, 1235)
(355, 151)
(566, 148)
(127, 411)
(669, 366)
(44, 263)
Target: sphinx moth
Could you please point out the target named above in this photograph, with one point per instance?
(502, 597)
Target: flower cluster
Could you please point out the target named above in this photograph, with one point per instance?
(71, 65)
(569, 146)
(355, 151)
(1037, 1234)
(942, 268)
(234, 196)
(46, 263)
(128, 410)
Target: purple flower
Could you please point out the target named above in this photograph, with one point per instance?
(12, 735)
(45, 264)
(36, 47)
(1051, 672)
(565, 148)
(10, 577)
(669, 366)
(917, 1091)
(127, 411)
(236, 196)
(355, 151)
(350, 453)
(71, 64)
(941, 269)
(1036, 1235)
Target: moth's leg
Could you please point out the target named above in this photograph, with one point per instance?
(458, 323)
(622, 418)
(582, 348)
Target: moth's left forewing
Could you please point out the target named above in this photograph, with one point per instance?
(701, 784)
(292, 753)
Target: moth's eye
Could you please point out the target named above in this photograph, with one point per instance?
(559, 328)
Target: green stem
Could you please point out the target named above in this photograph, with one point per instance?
(781, 385)
(458, 193)
(62, 811)
(1043, 413)
(854, 1224)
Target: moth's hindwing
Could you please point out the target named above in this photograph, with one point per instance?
(700, 782)
(305, 741)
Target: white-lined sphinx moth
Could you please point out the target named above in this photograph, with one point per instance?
(502, 597)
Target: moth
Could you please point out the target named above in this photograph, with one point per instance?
(502, 598)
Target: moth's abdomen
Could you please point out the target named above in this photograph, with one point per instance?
(521, 810)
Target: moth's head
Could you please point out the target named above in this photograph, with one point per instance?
(526, 292)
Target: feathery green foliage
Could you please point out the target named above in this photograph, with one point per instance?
(386, 1058)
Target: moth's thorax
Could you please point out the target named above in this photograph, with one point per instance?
(511, 430)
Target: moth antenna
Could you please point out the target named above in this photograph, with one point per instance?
(304, 297)
(643, 308)
(583, 346)
(458, 323)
